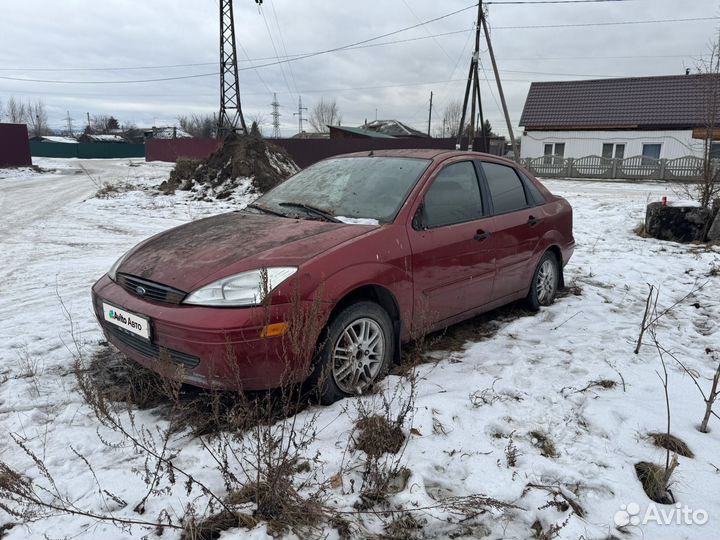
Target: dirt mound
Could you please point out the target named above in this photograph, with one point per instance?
(238, 160)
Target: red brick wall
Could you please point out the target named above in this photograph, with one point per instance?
(14, 146)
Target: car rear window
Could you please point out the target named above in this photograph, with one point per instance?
(506, 188)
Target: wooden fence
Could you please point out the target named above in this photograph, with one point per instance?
(686, 168)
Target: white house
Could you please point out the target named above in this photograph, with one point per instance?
(654, 117)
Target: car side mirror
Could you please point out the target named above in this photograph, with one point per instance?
(419, 222)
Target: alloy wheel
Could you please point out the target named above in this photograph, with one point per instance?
(358, 355)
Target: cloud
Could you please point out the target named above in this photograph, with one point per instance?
(394, 79)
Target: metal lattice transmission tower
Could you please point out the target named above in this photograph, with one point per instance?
(230, 119)
(276, 117)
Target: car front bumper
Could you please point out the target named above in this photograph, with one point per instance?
(205, 346)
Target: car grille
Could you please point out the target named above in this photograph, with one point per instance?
(150, 350)
(149, 290)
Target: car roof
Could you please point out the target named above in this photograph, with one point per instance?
(425, 153)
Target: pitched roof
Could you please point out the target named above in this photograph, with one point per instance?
(361, 131)
(670, 102)
(394, 128)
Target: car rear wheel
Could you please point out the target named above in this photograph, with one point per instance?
(356, 352)
(546, 279)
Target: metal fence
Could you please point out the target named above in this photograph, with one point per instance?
(86, 150)
(686, 168)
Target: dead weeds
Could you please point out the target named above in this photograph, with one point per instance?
(672, 443)
(378, 436)
(544, 443)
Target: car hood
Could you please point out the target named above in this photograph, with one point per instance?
(202, 251)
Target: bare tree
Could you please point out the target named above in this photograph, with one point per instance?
(709, 186)
(200, 126)
(451, 118)
(103, 124)
(16, 111)
(36, 118)
(259, 120)
(2, 111)
(324, 114)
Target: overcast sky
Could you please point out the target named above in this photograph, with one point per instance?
(86, 43)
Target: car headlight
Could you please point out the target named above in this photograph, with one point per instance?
(113, 269)
(245, 289)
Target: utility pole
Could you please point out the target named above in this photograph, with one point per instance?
(230, 119)
(473, 84)
(300, 114)
(276, 117)
(69, 125)
(430, 114)
(88, 119)
(513, 142)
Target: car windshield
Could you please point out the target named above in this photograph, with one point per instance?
(352, 190)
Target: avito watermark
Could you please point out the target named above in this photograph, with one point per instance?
(660, 514)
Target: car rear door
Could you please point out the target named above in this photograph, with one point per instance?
(452, 241)
(520, 224)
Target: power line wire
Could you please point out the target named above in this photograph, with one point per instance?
(358, 45)
(299, 56)
(615, 23)
(277, 55)
(282, 43)
(526, 2)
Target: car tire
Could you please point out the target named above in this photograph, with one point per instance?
(356, 351)
(545, 282)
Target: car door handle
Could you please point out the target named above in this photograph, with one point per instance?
(532, 221)
(481, 235)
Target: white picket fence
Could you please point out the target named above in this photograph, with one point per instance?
(686, 168)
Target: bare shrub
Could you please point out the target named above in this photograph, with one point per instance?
(382, 472)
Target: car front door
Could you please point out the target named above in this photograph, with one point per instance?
(452, 241)
(520, 224)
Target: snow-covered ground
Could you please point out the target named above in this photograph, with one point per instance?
(534, 374)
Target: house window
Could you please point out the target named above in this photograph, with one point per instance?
(715, 150)
(553, 150)
(612, 150)
(650, 151)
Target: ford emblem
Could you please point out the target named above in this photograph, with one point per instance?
(140, 290)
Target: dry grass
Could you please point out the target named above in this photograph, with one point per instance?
(378, 436)
(108, 190)
(672, 443)
(641, 231)
(544, 443)
(653, 480)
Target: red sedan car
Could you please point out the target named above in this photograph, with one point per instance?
(373, 248)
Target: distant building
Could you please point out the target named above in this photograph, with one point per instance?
(654, 117)
(102, 138)
(55, 139)
(345, 132)
(394, 128)
(166, 133)
(310, 135)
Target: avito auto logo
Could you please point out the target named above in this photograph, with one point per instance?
(128, 321)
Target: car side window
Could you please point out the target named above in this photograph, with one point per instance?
(453, 197)
(506, 188)
(533, 192)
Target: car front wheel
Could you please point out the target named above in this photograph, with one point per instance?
(356, 352)
(546, 279)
